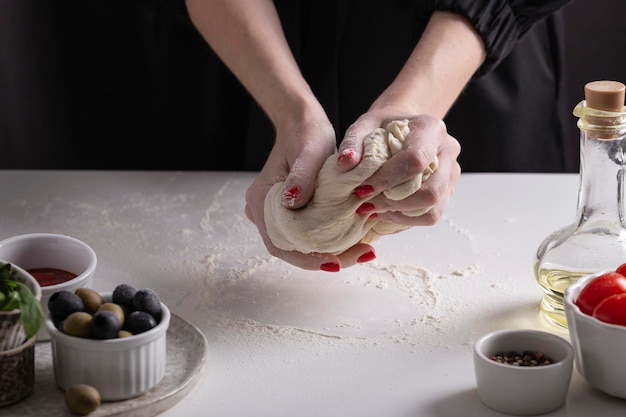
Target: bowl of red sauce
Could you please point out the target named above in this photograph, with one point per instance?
(58, 262)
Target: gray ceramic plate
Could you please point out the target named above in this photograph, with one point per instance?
(187, 351)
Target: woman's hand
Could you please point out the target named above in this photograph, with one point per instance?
(443, 61)
(248, 37)
(296, 158)
(427, 139)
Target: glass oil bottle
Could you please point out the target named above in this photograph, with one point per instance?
(596, 241)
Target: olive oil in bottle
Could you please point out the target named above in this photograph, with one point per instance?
(596, 241)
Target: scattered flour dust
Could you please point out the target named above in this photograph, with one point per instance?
(418, 284)
(453, 226)
(405, 276)
(206, 223)
(196, 256)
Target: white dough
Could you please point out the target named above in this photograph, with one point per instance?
(329, 223)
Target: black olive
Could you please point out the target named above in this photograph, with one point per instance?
(146, 300)
(63, 303)
(105, 325)
(139, 322)
(123, 295)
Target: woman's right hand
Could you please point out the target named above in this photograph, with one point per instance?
(248, 37)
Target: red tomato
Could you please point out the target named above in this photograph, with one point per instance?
(600, 288)
(612, 310)
(621, 269)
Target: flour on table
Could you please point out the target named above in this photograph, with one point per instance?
(329, 223)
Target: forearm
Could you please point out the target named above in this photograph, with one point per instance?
(247, 36)
(444, 60)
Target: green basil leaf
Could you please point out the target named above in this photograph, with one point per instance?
(31, 313)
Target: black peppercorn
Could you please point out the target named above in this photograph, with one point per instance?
(527, 358)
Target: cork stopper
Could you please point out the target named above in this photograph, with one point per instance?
(605, 95)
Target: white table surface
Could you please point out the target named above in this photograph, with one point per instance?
(391, 338)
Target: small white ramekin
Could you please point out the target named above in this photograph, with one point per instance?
(118, 368)
(523, 390)
(50, 250)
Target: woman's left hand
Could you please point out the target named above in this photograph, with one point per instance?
(427, 139)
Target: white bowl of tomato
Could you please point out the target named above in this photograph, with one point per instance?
(595, 308)
(58, 262)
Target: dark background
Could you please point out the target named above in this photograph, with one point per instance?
(595, 45)
(38, 62)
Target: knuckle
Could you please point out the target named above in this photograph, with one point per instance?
(418, 160)
(439, 124)
(455, 146)
(431, 217)
(430, 196)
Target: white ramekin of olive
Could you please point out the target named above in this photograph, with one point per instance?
(114, 342)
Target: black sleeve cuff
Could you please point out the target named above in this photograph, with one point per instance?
(500, 23)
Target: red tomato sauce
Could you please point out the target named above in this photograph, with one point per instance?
(51, 276)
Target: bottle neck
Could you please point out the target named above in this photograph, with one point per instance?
(602, 165)
(602, 168)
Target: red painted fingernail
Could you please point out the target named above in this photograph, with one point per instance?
(346, 154)
(330, 267)
(290, 195)
(366, 257)
(293, 192)
(365, 208)
(373, 216)
(363, 190)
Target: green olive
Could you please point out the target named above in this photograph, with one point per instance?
(82, 399)
(124, 333)
(78, 324)
(115, 309)
(91, 298)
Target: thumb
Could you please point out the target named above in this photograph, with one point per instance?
(301, 181)
(351, 148)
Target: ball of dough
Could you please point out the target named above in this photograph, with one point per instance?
(329, 223)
